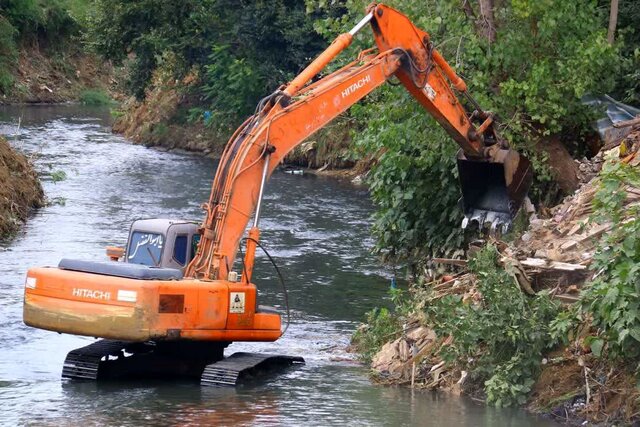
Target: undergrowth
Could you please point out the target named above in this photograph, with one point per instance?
(501, 339)
(95, 97)
(612, 299)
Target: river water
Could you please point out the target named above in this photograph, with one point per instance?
(317, 229)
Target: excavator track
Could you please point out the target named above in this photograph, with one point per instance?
(110, 359)
(230, 371)
(83, 363)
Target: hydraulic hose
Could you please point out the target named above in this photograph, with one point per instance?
(278, 272)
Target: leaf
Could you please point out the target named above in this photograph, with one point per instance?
(596, 346)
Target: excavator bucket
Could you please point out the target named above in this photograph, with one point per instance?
(494, 189)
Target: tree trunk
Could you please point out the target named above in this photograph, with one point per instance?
(483, 22)
(487, 22)
(613, 21)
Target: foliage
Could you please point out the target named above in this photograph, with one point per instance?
(8, 53)
(380, 326)
(95, 97)
(412, 185)
(628, 38)
(231, 84)
(500, 339)
(242, 50)
(546, 57)
(46, 21)
(49, 23)
(613, 297)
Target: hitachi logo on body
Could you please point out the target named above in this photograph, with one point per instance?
(90, 293)
(357, 85)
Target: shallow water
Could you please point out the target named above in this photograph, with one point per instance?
(317, 229)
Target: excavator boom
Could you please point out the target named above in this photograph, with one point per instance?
(165, 311)
(494, 178)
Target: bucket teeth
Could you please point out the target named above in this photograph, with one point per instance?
(495, 222)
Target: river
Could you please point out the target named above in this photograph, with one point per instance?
(316, 228)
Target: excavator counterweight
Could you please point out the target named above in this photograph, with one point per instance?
(171, 301)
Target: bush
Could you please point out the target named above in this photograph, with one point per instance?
(95, 97)
(613, 297)
(8, 53)
(502, 339)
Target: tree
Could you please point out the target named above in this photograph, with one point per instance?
(613, 21)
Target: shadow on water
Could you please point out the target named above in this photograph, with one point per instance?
(317, 230)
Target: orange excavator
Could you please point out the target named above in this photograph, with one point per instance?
(170, 302)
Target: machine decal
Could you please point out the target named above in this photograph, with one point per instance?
(146, 240)
(357, 85)
(127, 296)
(91, 293)
(236, 302)
(429, 91)
(30, 282)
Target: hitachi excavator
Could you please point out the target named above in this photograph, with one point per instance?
(170, 302)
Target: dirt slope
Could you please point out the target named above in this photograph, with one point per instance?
(20, 190)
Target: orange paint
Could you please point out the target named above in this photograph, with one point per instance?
(205, 305)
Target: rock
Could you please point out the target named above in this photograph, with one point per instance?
(540, 253)
(383, 360)
(421, 334)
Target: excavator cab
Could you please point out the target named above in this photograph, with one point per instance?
(162, 243)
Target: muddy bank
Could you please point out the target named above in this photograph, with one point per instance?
(166, 119)
(571, 375)
(20, 190)
(162, 119)
(57, 76)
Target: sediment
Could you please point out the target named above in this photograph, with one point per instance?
(20, 189)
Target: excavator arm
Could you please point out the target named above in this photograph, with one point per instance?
(286, 118)
(157, 321)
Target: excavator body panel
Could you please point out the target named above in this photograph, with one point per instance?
(99, 305)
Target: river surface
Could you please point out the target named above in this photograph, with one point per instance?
(317, 229)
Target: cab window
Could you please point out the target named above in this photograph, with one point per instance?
(195, 239)
(180, 249)
(145, 248)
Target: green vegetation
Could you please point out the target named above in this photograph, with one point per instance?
(50, 24)
(240, 50)
(500, 340)
(95, 97)
(612, 300)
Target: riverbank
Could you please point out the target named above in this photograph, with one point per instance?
(46, 76)
(166, 118)
(545, 320)
(20, 189)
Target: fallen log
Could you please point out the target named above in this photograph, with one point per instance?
(627, 123)
(551, 265)
(451, 261)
